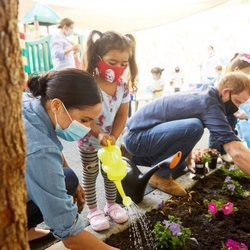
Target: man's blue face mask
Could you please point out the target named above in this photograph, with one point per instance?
(75, 131)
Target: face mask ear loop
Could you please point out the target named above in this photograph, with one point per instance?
(56, 118)
(67, 112)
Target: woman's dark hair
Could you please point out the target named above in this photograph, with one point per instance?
(107, 41)
(74, 87)
(65, 21)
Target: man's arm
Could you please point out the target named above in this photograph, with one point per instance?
(240, 155)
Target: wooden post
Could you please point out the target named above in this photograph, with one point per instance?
(13, 235)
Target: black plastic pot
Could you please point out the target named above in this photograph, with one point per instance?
(200, 169)
(213, 163)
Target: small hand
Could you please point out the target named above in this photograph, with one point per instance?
(79, 198)
(190, 164)
(103, 138)
(76, 47)
(240, 114)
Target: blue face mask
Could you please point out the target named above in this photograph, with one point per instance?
(69, 33)
(75, 131)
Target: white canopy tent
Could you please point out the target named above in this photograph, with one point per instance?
(168, 32)
(123, 16)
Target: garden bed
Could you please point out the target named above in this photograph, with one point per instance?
(210, 233)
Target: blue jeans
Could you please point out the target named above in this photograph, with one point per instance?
(150, 146)
(34, 214)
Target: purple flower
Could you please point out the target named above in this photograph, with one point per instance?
(231, 167)
(227, 208)
(160, 205)
(212, 207)
(232, 245)
(166, 223)
(175, 229)
(231, 187)
(228, 179)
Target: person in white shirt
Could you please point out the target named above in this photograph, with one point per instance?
(158, 84)
(209, 72)
(177, 79)
(63, 51)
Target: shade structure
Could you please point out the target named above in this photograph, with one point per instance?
(43, 14)
(129, 16)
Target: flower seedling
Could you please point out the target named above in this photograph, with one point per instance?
(170, 233)
(232, 188)
(234, 245)
(219, 206)
(234, 172)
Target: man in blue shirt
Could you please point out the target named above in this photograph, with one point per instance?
(176, 123)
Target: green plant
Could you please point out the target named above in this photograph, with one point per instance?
(206, 157)
(170, 233)
(201, 156)
(234, 172)
(232, 188)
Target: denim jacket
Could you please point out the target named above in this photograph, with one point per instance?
(45, 180)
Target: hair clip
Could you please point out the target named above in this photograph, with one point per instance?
(245, 57)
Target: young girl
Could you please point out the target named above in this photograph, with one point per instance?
(108, 57)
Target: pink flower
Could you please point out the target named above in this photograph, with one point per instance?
(212, 207)
(243, 246)
(232, 245)
(227, 208)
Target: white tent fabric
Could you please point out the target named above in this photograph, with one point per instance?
(123, 16)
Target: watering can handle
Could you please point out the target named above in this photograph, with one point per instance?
(108, 143)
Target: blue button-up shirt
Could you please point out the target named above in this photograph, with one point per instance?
(206, 106)
(58, 44)
(45, 180)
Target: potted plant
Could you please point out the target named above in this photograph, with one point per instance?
(200, 159)
(214, 153)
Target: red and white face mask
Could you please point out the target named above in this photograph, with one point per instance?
(110, 73)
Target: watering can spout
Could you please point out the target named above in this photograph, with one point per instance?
(126, 200)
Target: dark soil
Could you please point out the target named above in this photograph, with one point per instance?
(191, 210)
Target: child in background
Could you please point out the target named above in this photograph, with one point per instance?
(177, 79)
(109, 54)
(158, 84)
